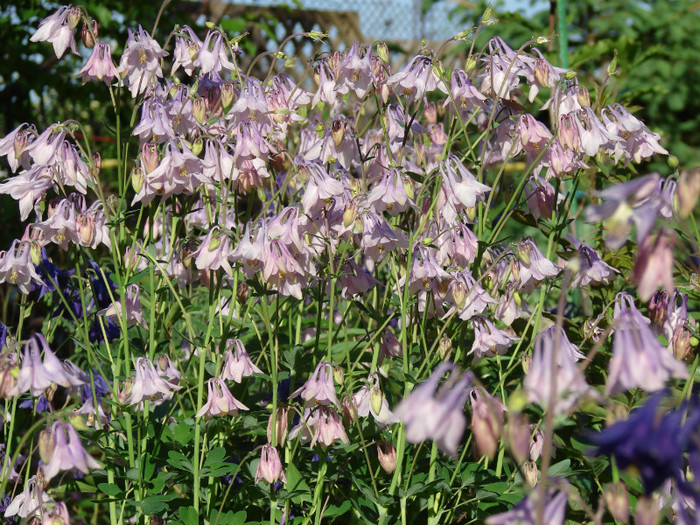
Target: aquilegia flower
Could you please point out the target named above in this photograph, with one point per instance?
(68, 452)
(270, 466)
(439, 416)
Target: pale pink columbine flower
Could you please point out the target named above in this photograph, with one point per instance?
(59, 29)
(212, 56)
(457, 246)
(390, 194)
(95, 417)
(28, 188)
(139, 66)
(99, 66)
(464, 96)
(355, 280)
(370, 400)
(638, 142)
(150, 385)
(36, 375)
(155, 124)
(251, 105)
(466, 296)
(325, 79)
(187, 45)
(92, 227)
(425, 272)
(437, 414)
(378, 238)
(638, 358)
(533, 135)
(533, 266)
(355, 72)
(214, 251)
(220, 401)
(557, 382)
(460, 190)
(415, 80)
(68, 452)
(237, 365)
(560, 161)
(320, 188)
(489, 341)
(16, 266)
(319, 387)
(270, 466)
(29, 502)
(60, 227)
(591, 268)
(132, 302)
(654, 264)
(543, 74)
(14, 146)
(622, 205)
(539, 196)
(488, 414)
(320, 424)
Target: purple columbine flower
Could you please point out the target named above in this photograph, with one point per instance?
(439, 416)
(355, 72)
(68, 452)
(99, 66)
(36, 376)
(59, 29)
(220, 401)
(638, 358)
(489, 341)
(29, 502)
(654, 264)
(591, 268)
(415, 80)
(319, 387)
(139, 66)
(149, 384)
(524, 513)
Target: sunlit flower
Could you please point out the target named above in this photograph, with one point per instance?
(99, 66)
(220, 401)
(237, 365)
(59, 29)
(68, 452)
(270, 466)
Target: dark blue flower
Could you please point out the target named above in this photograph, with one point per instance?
(652, 439)
(111, 329)
(101, 387)
(3, 335)
(102, 285)
(42, 404)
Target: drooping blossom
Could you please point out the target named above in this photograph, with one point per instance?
(460, 190)
(437, 414)
(68, 452)
(555, 382)
(653, 266)
(150, 385)
(17, 268)
(489, 341)
(139, 66)
(29, 502)
(220, 401)
(533, 266)
(132, 312)
(638, 359)
(369, 399)
(212, 57)
(319, 424)
(415, 80)
(319, 387)
(464, 96)
(59, 29)
(99, 66)
(36, 375)
(525, 512)
(591, 268)
(355, 71)
(270, 466)
(487, 421)
(237, 365)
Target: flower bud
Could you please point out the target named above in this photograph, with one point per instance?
(531, 473)
(73, 18)
(47, 445)
(383, 52)
(536, 444)
(9, 371)
(542, 72)
(149, 157)
(349, 213)
(242, 292)
(125, 390)
(88, 33)
(658, 307)
(338, 131)
(518, 436)
(430, 113)
(228, 91)
(197, 146)
(375, 399)
(681, 342)
(445, 348)
(408, 187)
(487, 422)
(387, 456)
(459, 293)
(525, 362)
(617, 500)
(348, 410)
(35, 252)
(20, 143)
(471, 213)
(137, 179)
(96, 165)
(338, 375)
(281, 424)
(583, 96)
(86, 228)
(688, 191)
(199, 110)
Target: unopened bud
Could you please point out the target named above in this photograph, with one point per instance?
(47, 444)
(73, 18)
(430, 113)
(338, 131)
(199, 109)
(149, 156)
(525, 362)
(583, 96)
(35, 252)
(408, 187)
(375, 399)
(215, 241)
(518, 436)
(445, 348)
(487, 422)
(88, 33)
(688, 191)
(281, 424)
(471, 213)
(617, 500)
(338, 375)
(647, 511)
(228, 91)
(20, 143)
(197, 146)
(96, 165)
(86, 228)
(542, 72)
(459, 293)
(524, 253)
(672, 161)
(348, 410)
(531, 473)
(125, 390)
(383, 52)
(536, 444)
(387, 456)
(612, 67)
(137, 179)
(349, 213)
(242, 292)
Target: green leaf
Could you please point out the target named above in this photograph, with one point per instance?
(298, 490)
(110, 489)
(189, 516)
(155, 504)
